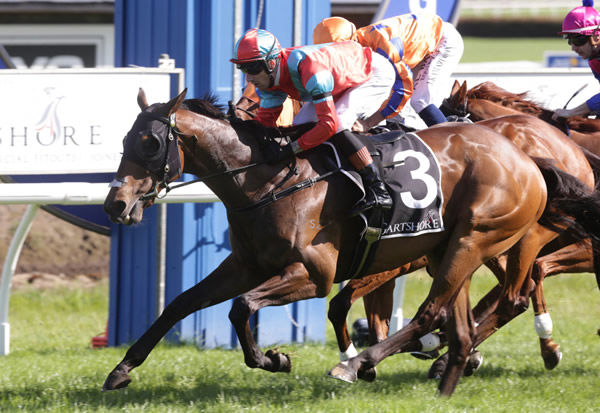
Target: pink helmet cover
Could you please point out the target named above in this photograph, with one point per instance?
(583, 20)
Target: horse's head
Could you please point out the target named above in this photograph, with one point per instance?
(151, 159)
(456, 103)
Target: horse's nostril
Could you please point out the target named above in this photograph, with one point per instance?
(115, 208)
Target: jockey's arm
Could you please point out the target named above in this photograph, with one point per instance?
(326, 127)
(271, 105)
(402, 89)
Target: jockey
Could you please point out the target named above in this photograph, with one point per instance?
(581, 29)
(339, 84)
(421, 47)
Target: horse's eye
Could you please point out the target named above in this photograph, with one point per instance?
(150, 145)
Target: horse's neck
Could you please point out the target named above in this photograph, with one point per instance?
(481, 109)
(213, 148)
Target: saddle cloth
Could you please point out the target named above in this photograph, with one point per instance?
(412, 175)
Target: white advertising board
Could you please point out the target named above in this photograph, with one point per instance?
(549, 87)
(71, 121)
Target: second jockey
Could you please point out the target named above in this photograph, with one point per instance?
(423, 49)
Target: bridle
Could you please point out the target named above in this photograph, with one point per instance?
(250, 111)
(170, 167)
(448, 109)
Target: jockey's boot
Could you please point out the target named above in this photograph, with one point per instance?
(376, 195)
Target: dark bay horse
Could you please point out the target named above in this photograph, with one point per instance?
(494, 195)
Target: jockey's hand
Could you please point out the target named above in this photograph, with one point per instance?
(276, 153)
(561, 113)
(360, 125)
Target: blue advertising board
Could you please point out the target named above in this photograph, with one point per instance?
(446, 9)
(200, 37)
(563, 59)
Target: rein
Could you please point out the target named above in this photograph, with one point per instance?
(174, 133)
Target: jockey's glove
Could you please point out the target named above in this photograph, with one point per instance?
(278, 153)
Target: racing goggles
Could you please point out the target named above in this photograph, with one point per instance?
(577, 39)
(252, 68)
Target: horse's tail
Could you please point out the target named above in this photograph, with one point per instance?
(594, 161)
(571, 204)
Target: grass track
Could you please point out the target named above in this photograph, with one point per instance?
(484, 49)
(52, 368)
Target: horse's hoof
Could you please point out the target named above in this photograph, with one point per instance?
(425, 355)
(367, 375)
(343, 372)
(281, 361)
(474, 362)
(116, 380)
(552, 359)
(437, 369)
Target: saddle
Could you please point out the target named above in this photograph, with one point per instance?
(412, 176)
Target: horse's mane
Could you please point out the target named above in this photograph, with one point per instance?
(490, 91)
(206, 106)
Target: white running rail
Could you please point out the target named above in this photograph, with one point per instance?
(64, 193)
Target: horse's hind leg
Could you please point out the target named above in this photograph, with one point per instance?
(574, 258)
(450, 273)
(294, 284)
(339, 306)
(222, 284)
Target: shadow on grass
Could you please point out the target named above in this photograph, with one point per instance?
(244, 389)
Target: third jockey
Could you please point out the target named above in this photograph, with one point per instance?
(581, 28)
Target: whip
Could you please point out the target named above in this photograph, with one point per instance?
(574, 94)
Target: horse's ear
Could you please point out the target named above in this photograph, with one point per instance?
(455, 87)
(141, 99)
(463, 91)
(175, 103)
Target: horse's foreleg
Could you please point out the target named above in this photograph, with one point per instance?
(518, 286)
(222, 284)
(294, 284)
(461, 330)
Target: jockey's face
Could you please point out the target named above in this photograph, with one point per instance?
(261, 80)
(590, 49)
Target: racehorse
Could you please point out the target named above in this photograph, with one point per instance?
(378, 304)
(488, 100)
(494, 195)
(534, 137)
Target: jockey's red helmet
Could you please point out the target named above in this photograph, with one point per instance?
(256, 44)
(583, 20)
(333, 29)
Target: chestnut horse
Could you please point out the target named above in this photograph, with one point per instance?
(510, 298)
(378, 305)
(493, 197)
(488, 100)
